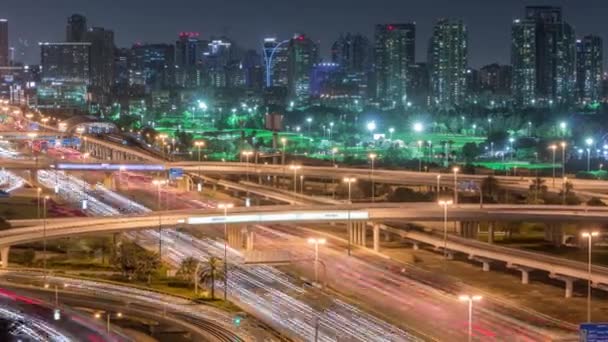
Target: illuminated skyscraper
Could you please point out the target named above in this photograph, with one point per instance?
(352, 52)
(152, 66)
(447, 59)
(76, 28)
(589, 69)
(188, 59)
(543, 57)
(276, 62)
(65, 76)
(395, 50)
(4, 50)
(303, 55)
(102, 63)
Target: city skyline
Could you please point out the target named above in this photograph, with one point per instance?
(489, 29)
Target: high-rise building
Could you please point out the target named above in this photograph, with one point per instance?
(303, 54)
(152, 66)
(254, 70)
(395, 51)
(276, 56)
(543, 57)
(65, 76)
(589, 69)
(352, 52)
(102, 63)
(188, 60)
(4, 56)
(496, 78)
(448, 63)
(217, 59)
(419, 85)
(76, 28)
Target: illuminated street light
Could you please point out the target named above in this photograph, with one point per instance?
(372, 157)
(284, 142)
(470, 300)
(295, 169)
(589, 142)
(391, 130)
(418, 127)
(316, 242)
(553, 148)
(46, 198)
(420, 156)
(371, 127)
(455, 170)
(225, 207)
(349, 181)
(589, 236)
(563, 146)
(445, 205)
(159, 183)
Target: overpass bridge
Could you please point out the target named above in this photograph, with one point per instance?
(359, 216)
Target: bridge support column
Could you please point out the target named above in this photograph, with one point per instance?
(485, 263)
(568, 281)
(468, 229)
(491, 232)
(554, 233)
(235, 237)
(109, 182)
(34, 176)
(4, 256)
(376, 238)
(250, 239)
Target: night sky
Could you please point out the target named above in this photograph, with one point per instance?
(249, 21)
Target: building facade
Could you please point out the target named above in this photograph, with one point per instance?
(303, 55)
(543, 58)
(66, 76)
(395, 51)
(4, 48)
(589, 69)
(448, 50)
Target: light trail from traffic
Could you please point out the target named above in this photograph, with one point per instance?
(269, 293)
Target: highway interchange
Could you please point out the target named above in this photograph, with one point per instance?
(278, 298)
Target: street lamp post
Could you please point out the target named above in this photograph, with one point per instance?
(589, 142)
(38, 191)
(199, 144)
(295, 169)
(455, 170)
(302, 184)
(349, 181)
(445, 205)
(372, 157)
(419, 156)
(46, 198)
(470, 300)
(159, 183)
(309, 121)
(284, 142)
(247, 154)
(225, 207)
(589, 236)
(563, 145)
(438, 185)
(553, 148)
(316, 242)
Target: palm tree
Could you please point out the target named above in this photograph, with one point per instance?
(211, 271)
(186, 270)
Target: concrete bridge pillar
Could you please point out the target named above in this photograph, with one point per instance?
(108, 181)
(376, 238)
(34, 177)
(250, 239)
(235, 237)
(491, 232)
(4, 256)
(554, 233)
(468, 229)
(568, 281)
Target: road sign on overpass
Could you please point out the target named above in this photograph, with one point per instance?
(594, 332)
